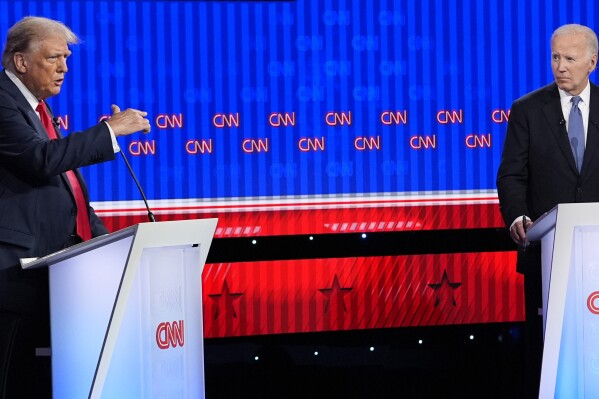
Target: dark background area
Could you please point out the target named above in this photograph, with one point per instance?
(354, 244)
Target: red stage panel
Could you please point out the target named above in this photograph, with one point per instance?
(294, 296)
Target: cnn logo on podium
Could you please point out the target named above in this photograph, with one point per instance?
(170, 334)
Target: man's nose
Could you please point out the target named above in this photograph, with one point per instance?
(561, 65)
(62, 65)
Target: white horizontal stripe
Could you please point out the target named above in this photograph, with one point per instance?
(121, 208)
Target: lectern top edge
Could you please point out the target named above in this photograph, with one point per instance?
(542, 225)
(78, 249)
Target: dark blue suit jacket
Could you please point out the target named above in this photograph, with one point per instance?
(37, 208)
(537, 169)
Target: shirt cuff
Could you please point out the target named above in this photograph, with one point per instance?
(115, 144)
(519, 219)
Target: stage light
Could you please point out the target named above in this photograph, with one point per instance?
(254, 242)
(256, 358)
(471, 337)
(315, 353)
(364, 235)
(372, 349)
(311, 238)
(420, 342)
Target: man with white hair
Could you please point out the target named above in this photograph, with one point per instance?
(549, 157)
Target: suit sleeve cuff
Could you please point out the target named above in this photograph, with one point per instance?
(115, 144)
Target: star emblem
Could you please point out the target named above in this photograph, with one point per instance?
(225, 301)
(445, 289)
(335, 294)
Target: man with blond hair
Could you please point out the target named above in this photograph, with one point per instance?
(44, 205)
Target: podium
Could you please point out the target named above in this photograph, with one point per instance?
(126, 312)
(569, 236)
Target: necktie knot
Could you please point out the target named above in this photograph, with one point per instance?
(575, 100)
(41, 107)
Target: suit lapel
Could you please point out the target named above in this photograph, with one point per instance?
(592, 144)
(34, 121)
(37, 123)
(556, 120)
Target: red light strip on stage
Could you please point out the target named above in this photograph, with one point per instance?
(335, 220)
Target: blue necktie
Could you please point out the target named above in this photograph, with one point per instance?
(576, 132)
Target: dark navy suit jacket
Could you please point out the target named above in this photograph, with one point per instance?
(537, 169)
(37, 208)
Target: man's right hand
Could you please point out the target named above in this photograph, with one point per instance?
(128, 121)
(518, 231)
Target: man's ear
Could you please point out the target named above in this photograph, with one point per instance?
(593, 62)
(20, 62)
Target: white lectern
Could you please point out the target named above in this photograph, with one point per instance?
(569, 236)
(126, 312)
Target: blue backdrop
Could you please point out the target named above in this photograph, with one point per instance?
(369, 96)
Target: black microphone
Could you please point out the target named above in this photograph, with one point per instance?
(143, 196)
(562, 122)
(56, 123)
(594, 122)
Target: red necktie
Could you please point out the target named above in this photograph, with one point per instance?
(83, 228)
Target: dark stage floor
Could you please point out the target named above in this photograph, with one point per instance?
(472, 361)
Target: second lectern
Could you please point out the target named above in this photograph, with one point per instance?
(569, 236)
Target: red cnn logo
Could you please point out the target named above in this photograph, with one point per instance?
(63, 122)
(594, 297)
(170, 334)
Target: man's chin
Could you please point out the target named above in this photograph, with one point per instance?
(564, 86)
(53, 92)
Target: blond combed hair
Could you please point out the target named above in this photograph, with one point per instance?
(29, 32)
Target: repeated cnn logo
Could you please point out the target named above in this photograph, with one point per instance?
(170, 335)
(593, 302)
(149, 147)
(331, 120)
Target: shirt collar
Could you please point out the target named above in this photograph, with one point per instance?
(23, 89)
(585, 95)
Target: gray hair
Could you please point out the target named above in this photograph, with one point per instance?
(30, 32)
(576, 29)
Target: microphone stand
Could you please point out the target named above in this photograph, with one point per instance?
(143, 196)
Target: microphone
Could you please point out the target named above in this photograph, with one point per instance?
(143, 196)
(594, 122)
(562, 122)
(56, 123)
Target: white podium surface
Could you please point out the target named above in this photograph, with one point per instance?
(126, 312)
(569, 236)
